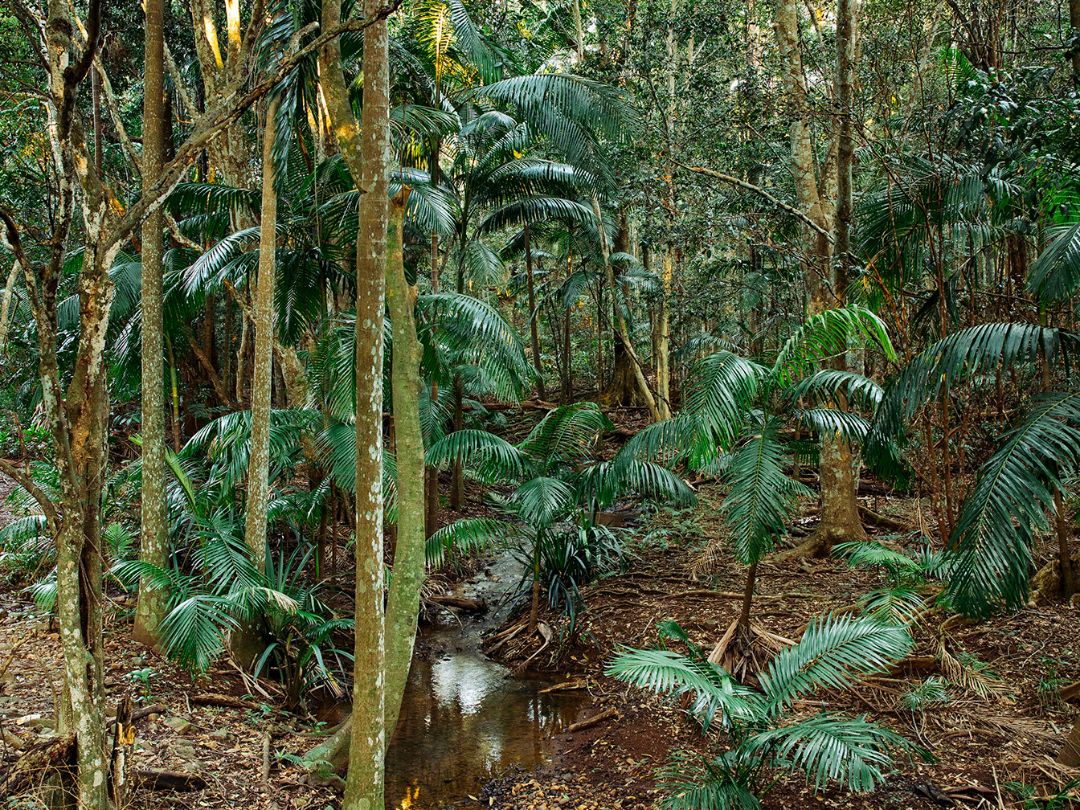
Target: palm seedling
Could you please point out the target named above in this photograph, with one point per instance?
(762, 730)
(913, 580)
(731, 423)
(555, 493)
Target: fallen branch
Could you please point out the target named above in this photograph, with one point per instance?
(224, 701)
(566, 686)
(596, 719)
(459, 603)
(157, 779)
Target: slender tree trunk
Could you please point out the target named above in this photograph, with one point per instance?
(534, 326)
(431, 485)
(258, 481)
(366, 152)
(622, 388)
(567, 363)
(404, 602)
(5, 305)
(1074, 24)
(579, 30)
(663, 346)
(1067, 577)
(748, 597)
(153, 549)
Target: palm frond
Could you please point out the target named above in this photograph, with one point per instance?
(827, 334)
(1055, 275)
(712, 690)
(829, 749)
(1012, 495)
(466, 536)
(719, 392)
(760, 500)
(834, 652)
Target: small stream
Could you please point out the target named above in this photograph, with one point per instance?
(464, 718)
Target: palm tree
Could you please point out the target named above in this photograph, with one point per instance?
(730, 422)
(555, 494)
(1015, 488)
(762, 736)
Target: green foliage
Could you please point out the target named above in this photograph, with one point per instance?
(557, 492)
(835, 652)
(1014, 492)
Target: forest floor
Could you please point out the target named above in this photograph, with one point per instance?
(992, 742)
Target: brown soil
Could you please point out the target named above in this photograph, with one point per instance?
(981, 743)
(983, 746)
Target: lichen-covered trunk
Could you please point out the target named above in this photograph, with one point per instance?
(365, 149)
(258, 482)
(79, 427)
(153, 548)
(404, 600)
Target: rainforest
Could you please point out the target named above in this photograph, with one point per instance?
(539, 404)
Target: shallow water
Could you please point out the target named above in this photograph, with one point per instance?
(464, 718)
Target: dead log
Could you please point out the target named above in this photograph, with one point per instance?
(224, 701)
(459, 603)
(595, 720)
(36, 763)
(156, 779)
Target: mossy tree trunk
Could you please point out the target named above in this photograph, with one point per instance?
(365, 148)
(153, 549)
(258, 481)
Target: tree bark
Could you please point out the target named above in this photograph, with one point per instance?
(1074, 24)
(404, 601)
(153, 550)
(534, 326)
(258, 481)
(839, 507)
(622, 387)
(366, 150)
(620, 322)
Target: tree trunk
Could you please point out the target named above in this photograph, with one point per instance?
(663, 345)
(839, 507)
(620, 322)
(622, 388)
(404, 601)
(153, 549)
(534, 326)
(748, 597)
(1074, 24)
(366, 152)
(258, 481)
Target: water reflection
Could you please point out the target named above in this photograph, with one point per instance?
(464, 720)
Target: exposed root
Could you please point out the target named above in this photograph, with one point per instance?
(745, 651)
